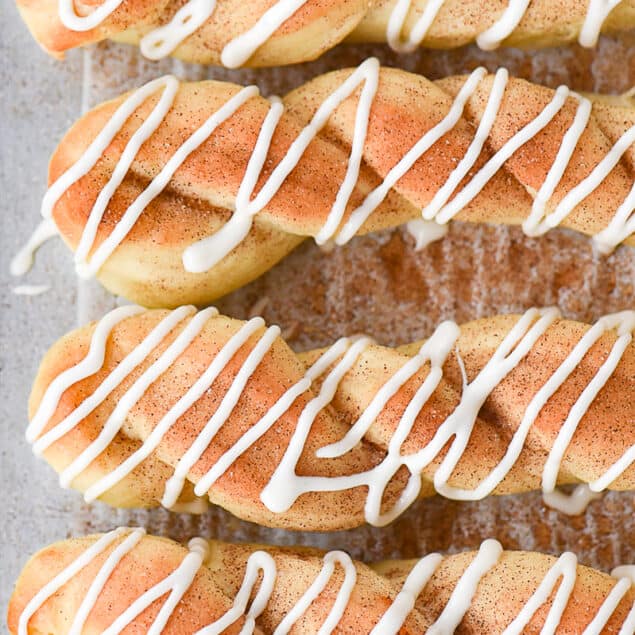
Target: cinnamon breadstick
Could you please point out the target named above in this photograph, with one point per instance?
(180, 193)
(121, 580)
(276, 32)
(175, 408)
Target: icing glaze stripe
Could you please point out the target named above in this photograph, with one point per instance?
(463, 593)
(418, 33)
(126, 403)
(190, 458)
(175, 585)
(162, 41)
(319, 584)
(394, 618)
(240, 49)
(101, 579)
(279, 408)
(96, 356)
(74, 22)
(504, 26)
(64, 576)
(197, 390)
(258, 562)
(91, 364)
(597, 12)
(22, 262)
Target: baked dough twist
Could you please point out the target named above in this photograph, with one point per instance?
(482, 593)
(350, 152)
(154, 406)
(231, 32)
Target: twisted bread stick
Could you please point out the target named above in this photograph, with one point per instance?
(275, 32)
(142, 185)
(155, 406)
(108, 582)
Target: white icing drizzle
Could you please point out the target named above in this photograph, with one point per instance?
(503, 27)
(95, 360)
(622, 226)
(31, 289)
(126, 403)
(100, 580)
(275, 412)
(204, 254)
(397, 21)
(359, 216)
(624, 323)
(157, 43)
(610, 604)
(393, 619)
(425, 232)
(163, 40)
(259, 561)
(463, 593)
(23, 260)
(623, 221)
(176, 585)
(596, 14)
(240, 49)
(565, 568)
(170, 86)
(628, 627)
(74, 22)
(90, 365)
(175, 484)
(285, 485)
(95, 150)
(570, 504)
(534, 224)
(52, 587)
(207, 252)
(624, 571)
(341, 601)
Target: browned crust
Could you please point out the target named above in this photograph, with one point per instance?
(318, 26)
(147, 266)
(501, 593)
(604, 434)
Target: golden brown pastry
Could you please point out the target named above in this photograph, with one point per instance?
(275, 32)
(175, 408)
(180, 193)
(121, 580)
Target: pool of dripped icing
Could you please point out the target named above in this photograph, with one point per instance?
(381, 286)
